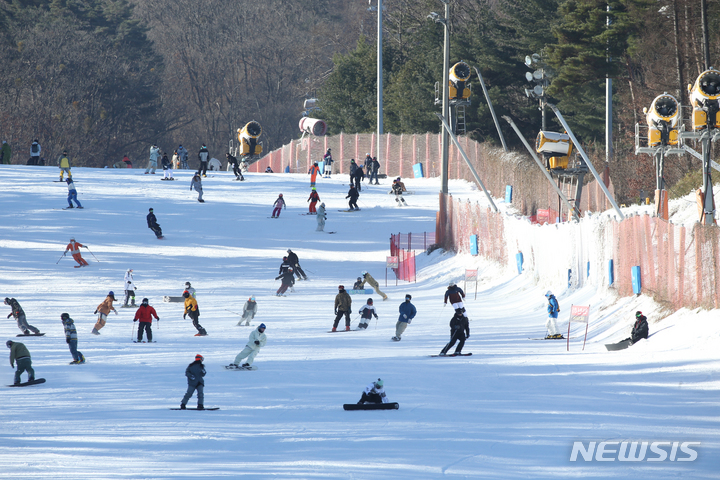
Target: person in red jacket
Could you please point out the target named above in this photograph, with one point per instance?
(74, 248)
(144, 314)
(313, 199)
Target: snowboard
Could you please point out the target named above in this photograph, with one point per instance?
(349, 210)
(343, 330)
(618, 346)
(26, 384)
(190, 408)
(453, 355)
(233, 367)
(406, 192)
(561, 338)
(201, 334)
(131, 306)
(170, 299)
(72, 208)
(367, 291)
(144, 341)
(371, 406)
(30, 335)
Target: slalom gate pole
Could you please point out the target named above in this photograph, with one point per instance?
(93, 255)
(63, 255)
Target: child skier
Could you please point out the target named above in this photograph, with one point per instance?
(459, 332)
(71, 338)
(313, 199)
(19, 315)
(353, 195)
(144, 314)
(255, 342)
(321, 217)
(278, 206)
(19, 352)
(72, 193)
(167, 168)
(129, 288)
(374, 393)
(102, 311)
(249, 311)
(366, 312)
(287, 281)
(191, 308)
(196, 184)
(195, 373)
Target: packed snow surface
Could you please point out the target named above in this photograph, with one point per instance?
(510, 411)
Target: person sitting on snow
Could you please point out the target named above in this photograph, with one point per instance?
(374, 393)
(640, 329)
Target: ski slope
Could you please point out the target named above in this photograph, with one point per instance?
(510, 411)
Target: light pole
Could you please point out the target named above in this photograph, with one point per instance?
(378, 148)
(445, 100)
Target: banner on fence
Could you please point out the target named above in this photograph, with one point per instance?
(579, 314)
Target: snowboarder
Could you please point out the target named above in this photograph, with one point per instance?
(191, 308)
(189, 289)
(367, 278)
(328, 161)
(367, 311)
(35, 150)
(553, 309)
(102, 311)
(144, 315)
(71, 338)
(196, 184)
(374, 169)
(183, 154)
(74, 248)
(287, 281)
(358, 285)
(374, 393)
(72, 193)
(640, 329)
(236, 168)
(278, 206)
(459, 332)
(367, 164)
(255, 342)
(153, 225)
(249, 311)
(321, 218)
(195, 373)
(343, 304)
(353, 195)
(313, 172)
(353, 167)
(126, 161)
(129, 288)
(269, 170)
(20, 353)
(204, 157)
(294, 262)
(167, 168)
(154, 157)
(64, 165)
(19, 315)
(407, 313)
(313, 199)
(455, 294)
(357, 177)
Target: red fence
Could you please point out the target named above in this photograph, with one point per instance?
(406, 266)
(411, 241)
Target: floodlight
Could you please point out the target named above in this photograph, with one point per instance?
(528, 60)
(538, 74)
(538, 90)
(529, 76)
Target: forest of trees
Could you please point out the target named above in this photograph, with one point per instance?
(102, 78)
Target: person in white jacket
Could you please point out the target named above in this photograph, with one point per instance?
(154, 157)
(374, 393)
(255, 342)
(129, 288)
(249, 311)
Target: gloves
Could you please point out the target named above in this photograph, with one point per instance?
(134, 288)
(134, 319)
(67, 340)
(129, 283)
(9, 315)
(95, 312)
(257, 342)
(405, 316)
(467, 336)
(157, 319)
(336, 312)
(115, 311)
(409, 321)
(184, 316)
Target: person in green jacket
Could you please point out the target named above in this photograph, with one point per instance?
(64, 165)
(5, 153)
(20, 353)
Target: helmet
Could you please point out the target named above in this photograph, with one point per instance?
(322, 204)
(64, 316)
(289, 251)
(68, 180)
(549, 293)
(7, 301)
(9, 343)
(151, 210)
(363, 273)
(186, 294)
(379, 383)
(367, 154)
(187, 284)
(314, 189)
(72, 239)
(262, 325)
(638, 314)
(111, 294)
(199, 358)
(359, 278)
(452, 284)
(145, 301)
(280, 195)
(284, 258)
(408, 297)
(252, 298)
(341, 287)
(370, 301)
(130, 270)
(459, 310)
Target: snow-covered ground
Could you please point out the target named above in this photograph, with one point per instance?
(512, 410)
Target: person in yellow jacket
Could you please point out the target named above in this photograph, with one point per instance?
(367, 278)
(191, 308)
(102, 311)
(64, 165)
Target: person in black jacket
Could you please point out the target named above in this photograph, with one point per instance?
(236, 168)
(153, 225)
(195, 373)
(459, 332)
(640, 329)
(287, 281)
(353, 195)
(294, 262)
(357, 176)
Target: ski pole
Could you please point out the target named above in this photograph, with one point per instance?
(92, 254)
(132, 335)
(233, 312)
(61, 257)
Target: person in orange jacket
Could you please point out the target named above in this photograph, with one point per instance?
(74, 248)
(144, 314)
(314, 170)
(313, 199)
(102, 311)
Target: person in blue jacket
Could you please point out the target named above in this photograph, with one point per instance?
(553, 308)
(72, 193)
(407, 313)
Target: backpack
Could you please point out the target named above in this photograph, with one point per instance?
(34, 148)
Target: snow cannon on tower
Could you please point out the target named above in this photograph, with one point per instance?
(662, 119)
(313, 126)
(459, 88)
(247, 136)
(704, 98)
(556, 148)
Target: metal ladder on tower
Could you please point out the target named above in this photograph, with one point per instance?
(460, 126)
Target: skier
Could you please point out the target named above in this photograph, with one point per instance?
(367, 164)
(357, 177)
(353, 167)
(366, 312)
(374, 393)
(74, 248)
(35, 150)
(195, 373)
(20, 353)
(153, 225)
(313, 172)
(102, 311)
(71, 338)
(191, 308)
(144, 315)
(196, 184)
(553, 309)
(459, 332)
(343, 304)
(64, 165)
(175, 160)
(6, 154)
(328, 161)
(374, 169)
(455, 294)
(204, 157)
(129, 288)
(321, 217)
(255, 342)
(358, 285)
(154, 157)
(249, 311)
(353, 195)
(19, 315)
(287, 281)
(236, 168)
(407, 313)
(640, 329)
(278, 206)
(183, 154)
(397, 189)
(367, 278)
(313, 199)
(167, 168)
(72, 193)
(294, 262)
(189, 289)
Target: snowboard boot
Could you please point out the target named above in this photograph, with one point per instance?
(201, 406)
(347, 328)
(334, 329)
(82, 358)
(95, 332)
(71, 206)
(182, 406)
(132, 304)
(442, 354)
(245, 365)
